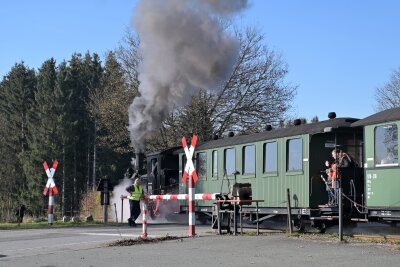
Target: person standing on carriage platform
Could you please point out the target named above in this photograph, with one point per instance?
(341, 160)
(135, 195)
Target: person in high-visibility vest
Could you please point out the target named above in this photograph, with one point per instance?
(136, 193)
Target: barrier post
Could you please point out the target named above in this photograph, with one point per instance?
(144, 221)
(50, 215)
(192, 214)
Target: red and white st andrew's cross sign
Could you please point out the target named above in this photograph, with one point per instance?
(189, 168)
(50, 182)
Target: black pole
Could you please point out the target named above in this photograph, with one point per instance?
(289, 212)
(258, 227)
(115, 209)
(122, 209)
(94, 158)
(340, 192)
(105, 192)
(235, 195)
(340, 214)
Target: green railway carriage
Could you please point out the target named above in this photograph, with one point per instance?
(381, 167)
(276, 160)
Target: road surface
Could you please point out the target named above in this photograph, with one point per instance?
(88, 247)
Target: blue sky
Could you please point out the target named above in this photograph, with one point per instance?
(338, 52)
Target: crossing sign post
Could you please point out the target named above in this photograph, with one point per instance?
(191, 172)
(50, 189)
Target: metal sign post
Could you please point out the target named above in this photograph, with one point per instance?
(105, 187)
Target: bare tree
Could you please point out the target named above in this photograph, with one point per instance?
(388, 96)
(129, 58)
(255, 94)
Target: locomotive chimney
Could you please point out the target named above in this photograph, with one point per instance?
(138, 163)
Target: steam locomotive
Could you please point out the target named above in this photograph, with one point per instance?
(276, 160)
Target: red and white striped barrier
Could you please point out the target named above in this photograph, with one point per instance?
(182, 197)
(205, 196)
(144, 220)
(50, 189)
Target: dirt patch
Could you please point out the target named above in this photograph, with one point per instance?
(140, 241)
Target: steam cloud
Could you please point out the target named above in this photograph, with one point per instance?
(167, 211)
(184, 48)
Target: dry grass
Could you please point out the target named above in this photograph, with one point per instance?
(90, 205)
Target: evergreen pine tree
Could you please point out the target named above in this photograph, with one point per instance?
(108, 108)
(43, 141)
(16, 100)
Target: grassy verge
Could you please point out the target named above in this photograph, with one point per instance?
(376, 239)
(45, 225)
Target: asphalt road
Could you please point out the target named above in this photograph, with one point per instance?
(88, 247)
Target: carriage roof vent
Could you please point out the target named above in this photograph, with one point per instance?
(297, 122)
(331, 115)
(215, 137)
(231, 134)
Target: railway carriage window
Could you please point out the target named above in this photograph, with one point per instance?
(229, 161)
(215, 163)
(386, 149)
(294, 155)
(249, 159)
(201, 165)
(270, 157)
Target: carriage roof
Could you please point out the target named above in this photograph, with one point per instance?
(310, 128)
(380, 117)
